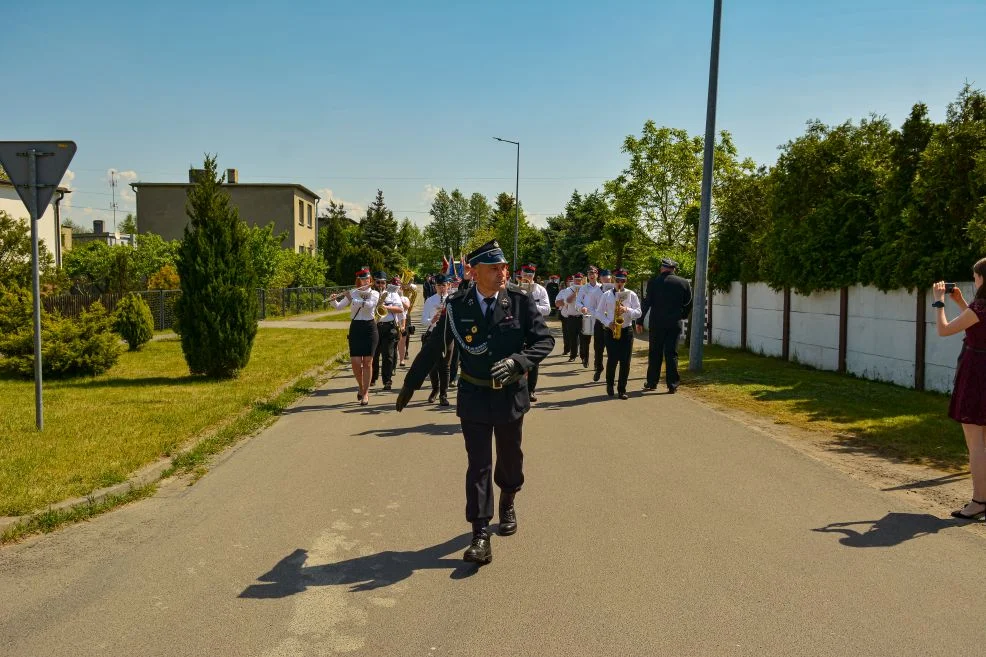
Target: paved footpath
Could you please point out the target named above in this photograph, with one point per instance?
(652, 526)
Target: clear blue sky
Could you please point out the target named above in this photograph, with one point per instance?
(406, 96)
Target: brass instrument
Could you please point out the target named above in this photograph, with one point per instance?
(618, 310)
(522, 287)
(407, 279)
(380, 312)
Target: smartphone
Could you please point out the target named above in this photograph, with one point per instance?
(949, 287)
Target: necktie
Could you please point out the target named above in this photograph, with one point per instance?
(489, 308)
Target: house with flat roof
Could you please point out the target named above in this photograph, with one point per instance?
(290, 206)
(55, 239)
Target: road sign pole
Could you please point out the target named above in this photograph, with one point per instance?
(35, 212)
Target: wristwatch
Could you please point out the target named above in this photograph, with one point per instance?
(938, 304)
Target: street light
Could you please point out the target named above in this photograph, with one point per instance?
(516, 199)
(702, 248)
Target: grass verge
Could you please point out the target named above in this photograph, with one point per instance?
(863, 416)
(99, 430)
(334, 316)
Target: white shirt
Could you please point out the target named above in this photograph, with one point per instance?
(392, 298)
(407, 306)
(588, 297)
(431, 306)
(605, 309)
(568, 297)
(359, 308)
(540, 296)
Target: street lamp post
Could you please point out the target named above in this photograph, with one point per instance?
(702, 248)
(516, 200)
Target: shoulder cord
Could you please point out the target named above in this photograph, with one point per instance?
(450, 320)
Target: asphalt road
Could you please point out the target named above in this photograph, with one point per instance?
(652, 526)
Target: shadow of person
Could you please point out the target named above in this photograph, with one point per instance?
(892, 529)
(290, 575)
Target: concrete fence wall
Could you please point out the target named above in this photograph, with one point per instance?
(864, 331)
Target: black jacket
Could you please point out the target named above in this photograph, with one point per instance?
(669, 299)
(517, 331)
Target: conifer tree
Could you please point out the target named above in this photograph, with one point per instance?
(217, 310)
(379, 230)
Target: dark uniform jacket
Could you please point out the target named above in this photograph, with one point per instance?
(516, 331)
(669, 299)
(553, 289)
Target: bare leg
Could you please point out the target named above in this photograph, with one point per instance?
(402, 348)
(367, 371)
(975, 440)
(357, 364)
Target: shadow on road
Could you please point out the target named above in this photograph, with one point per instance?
(892, 529)
(290, 575)
(930, 483)
(430, 429)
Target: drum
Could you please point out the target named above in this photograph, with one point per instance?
(588, 323)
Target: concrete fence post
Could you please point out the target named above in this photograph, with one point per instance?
(843, 327)
(743, 315)
(921, 337)
(786, 330)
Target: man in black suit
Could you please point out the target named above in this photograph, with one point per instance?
(500, 336)
(668, 299)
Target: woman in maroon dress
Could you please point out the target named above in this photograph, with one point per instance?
(968, 404)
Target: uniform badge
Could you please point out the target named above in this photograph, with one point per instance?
(474, 329)
(468, 338)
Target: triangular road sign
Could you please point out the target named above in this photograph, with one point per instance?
(53, 158)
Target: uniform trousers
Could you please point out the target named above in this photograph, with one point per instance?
(453, 368)
(386, 351)
(480, 474)
(440, 373)
(572, 329)
(618, 352)
(532, 379)
(663, 344)
(598, 343)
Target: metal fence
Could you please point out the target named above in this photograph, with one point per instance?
(271, 302)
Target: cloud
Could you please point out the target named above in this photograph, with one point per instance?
(123, 180)
(355, 210)
(429, 193)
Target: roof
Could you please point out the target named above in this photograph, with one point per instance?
(6, 183)
(281, 185)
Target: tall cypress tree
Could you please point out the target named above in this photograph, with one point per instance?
(217, 310)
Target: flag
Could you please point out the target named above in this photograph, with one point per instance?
(445, 265)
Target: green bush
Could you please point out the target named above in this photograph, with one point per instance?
(82, 346)
(133, 321)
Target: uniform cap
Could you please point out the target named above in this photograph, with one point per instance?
(668, 263)
(620, 274)
(603, 272)
(380, 275)
(363, 273)
(488, 254)
(441, 279)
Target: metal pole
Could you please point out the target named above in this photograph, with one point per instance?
(702, 251)
(517, 203)
(35, 213)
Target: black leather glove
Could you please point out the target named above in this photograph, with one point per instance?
(403, 397)
(506, 371)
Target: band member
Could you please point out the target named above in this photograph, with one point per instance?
(571, 318)
(565, 296)
(669, 300)
(389, 307)
(453, 368)
(553, 286)
(540, 296)
(589, 296)
(363, 336)
(501, 334)
(407, 323)
(618, 309)
(430, 314)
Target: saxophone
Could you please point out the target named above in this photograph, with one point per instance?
(380, 312)
(621, 296)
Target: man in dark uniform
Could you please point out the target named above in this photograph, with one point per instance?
(553, 288)
(668, 299)
(500, 335)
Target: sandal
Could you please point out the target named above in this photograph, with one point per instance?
(973, 516)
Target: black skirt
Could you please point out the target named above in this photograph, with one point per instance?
(363, 338)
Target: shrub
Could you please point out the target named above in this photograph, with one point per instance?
(133, 321)
(165, 278)
(83, 346)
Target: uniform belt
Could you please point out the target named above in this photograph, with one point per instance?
(486, 383)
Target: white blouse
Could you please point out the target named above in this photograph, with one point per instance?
(359, 308)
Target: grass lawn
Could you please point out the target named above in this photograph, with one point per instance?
(100, 430)
(335, 316)
(864, 415)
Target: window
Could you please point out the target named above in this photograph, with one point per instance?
(301, 212)
(310, 208)
(301, 249)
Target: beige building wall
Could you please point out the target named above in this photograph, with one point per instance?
(161, 210)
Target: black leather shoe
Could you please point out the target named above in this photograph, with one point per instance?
(453, 383)
(433, 396)
(610, 391)
(571, 359)
(585, 363)
(649, 388)
(672, 389)
(443, 401)
(598, 375)
(534, 397)
(508, 515)
(970, 516)
(624, 395)
(386, 386)
(479, 551)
